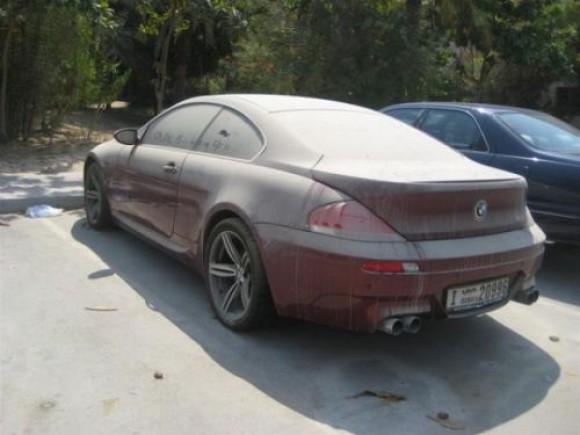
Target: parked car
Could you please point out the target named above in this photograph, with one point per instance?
(318, 210)
(543, 149)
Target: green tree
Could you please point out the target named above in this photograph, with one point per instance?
(509, 51)
(54, 59)
(367, 51)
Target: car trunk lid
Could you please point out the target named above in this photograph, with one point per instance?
(431, 200)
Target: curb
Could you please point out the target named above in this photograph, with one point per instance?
(69, 202)
(20, 191)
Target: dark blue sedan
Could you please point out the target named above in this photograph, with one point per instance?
(543, 149)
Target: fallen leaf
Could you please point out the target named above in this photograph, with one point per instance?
(390, 397)
(100, 309)
(4, 224)
(158, 375)
(554, 338)
(443, 419)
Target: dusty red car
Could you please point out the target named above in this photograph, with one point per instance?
(318, 210)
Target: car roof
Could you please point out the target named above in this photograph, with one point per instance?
(482, 107)
(277, 103)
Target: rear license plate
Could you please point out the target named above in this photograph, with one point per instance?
(477, 295)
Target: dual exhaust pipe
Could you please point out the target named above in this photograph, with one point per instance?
(396, 325)
(412, 324)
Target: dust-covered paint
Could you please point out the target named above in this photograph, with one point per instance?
(358, 218)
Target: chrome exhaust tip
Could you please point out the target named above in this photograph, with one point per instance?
(411, 324)
(392, 326)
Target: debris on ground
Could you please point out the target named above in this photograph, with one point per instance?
(4, 224)
(158, 375)
(389, 397)
(43, 210)
(100, 308)
(554, 338)
(445, 420)
(49, 404)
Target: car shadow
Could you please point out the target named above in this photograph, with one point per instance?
(478, 371)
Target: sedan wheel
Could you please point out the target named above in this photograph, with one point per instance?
(237, 283)
(96, 204)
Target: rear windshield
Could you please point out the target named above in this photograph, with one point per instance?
(362, 135)
(543, 132)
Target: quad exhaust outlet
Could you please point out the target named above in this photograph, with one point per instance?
(411, 324)
(395, 325)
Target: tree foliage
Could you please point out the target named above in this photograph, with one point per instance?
(60, 54)
(54, 59)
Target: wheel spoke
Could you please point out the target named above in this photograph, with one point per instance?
(230, 295)
(222, 270)
(245, 293)
(245, 261)
(230, 248)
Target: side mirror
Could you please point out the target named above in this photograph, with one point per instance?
(126, 136)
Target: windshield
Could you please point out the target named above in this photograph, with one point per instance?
(544, 132)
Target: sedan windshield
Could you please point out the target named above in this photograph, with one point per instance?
(544, 132)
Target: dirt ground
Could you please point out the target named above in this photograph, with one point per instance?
(66, 150)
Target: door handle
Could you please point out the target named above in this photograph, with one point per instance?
(170, 168)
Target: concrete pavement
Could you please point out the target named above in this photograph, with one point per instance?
(21, 190)
(87, 318)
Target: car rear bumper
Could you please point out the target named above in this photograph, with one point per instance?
(319, 278)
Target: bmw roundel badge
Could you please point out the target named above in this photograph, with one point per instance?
(480, 210)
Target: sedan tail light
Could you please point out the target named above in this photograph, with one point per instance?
(350, 220)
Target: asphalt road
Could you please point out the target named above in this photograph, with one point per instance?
(88, 318)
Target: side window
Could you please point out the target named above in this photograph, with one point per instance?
(181, 127)
(408, 116)
(232, 135)
(455, 128)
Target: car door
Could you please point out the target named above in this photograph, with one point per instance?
(151, 170)
(228, 144)
(458, 129)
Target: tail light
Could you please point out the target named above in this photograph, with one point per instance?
(390, 267)
(350, 220)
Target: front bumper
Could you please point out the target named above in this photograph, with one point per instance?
(318, 278)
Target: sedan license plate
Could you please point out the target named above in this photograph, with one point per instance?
(477, 295)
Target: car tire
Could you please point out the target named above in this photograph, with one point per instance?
(96, 203)
(236, 281)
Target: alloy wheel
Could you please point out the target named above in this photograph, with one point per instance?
(230, 275)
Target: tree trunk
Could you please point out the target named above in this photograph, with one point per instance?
(183, 56)
(161, 64)
(413, 8)
(4, 84)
